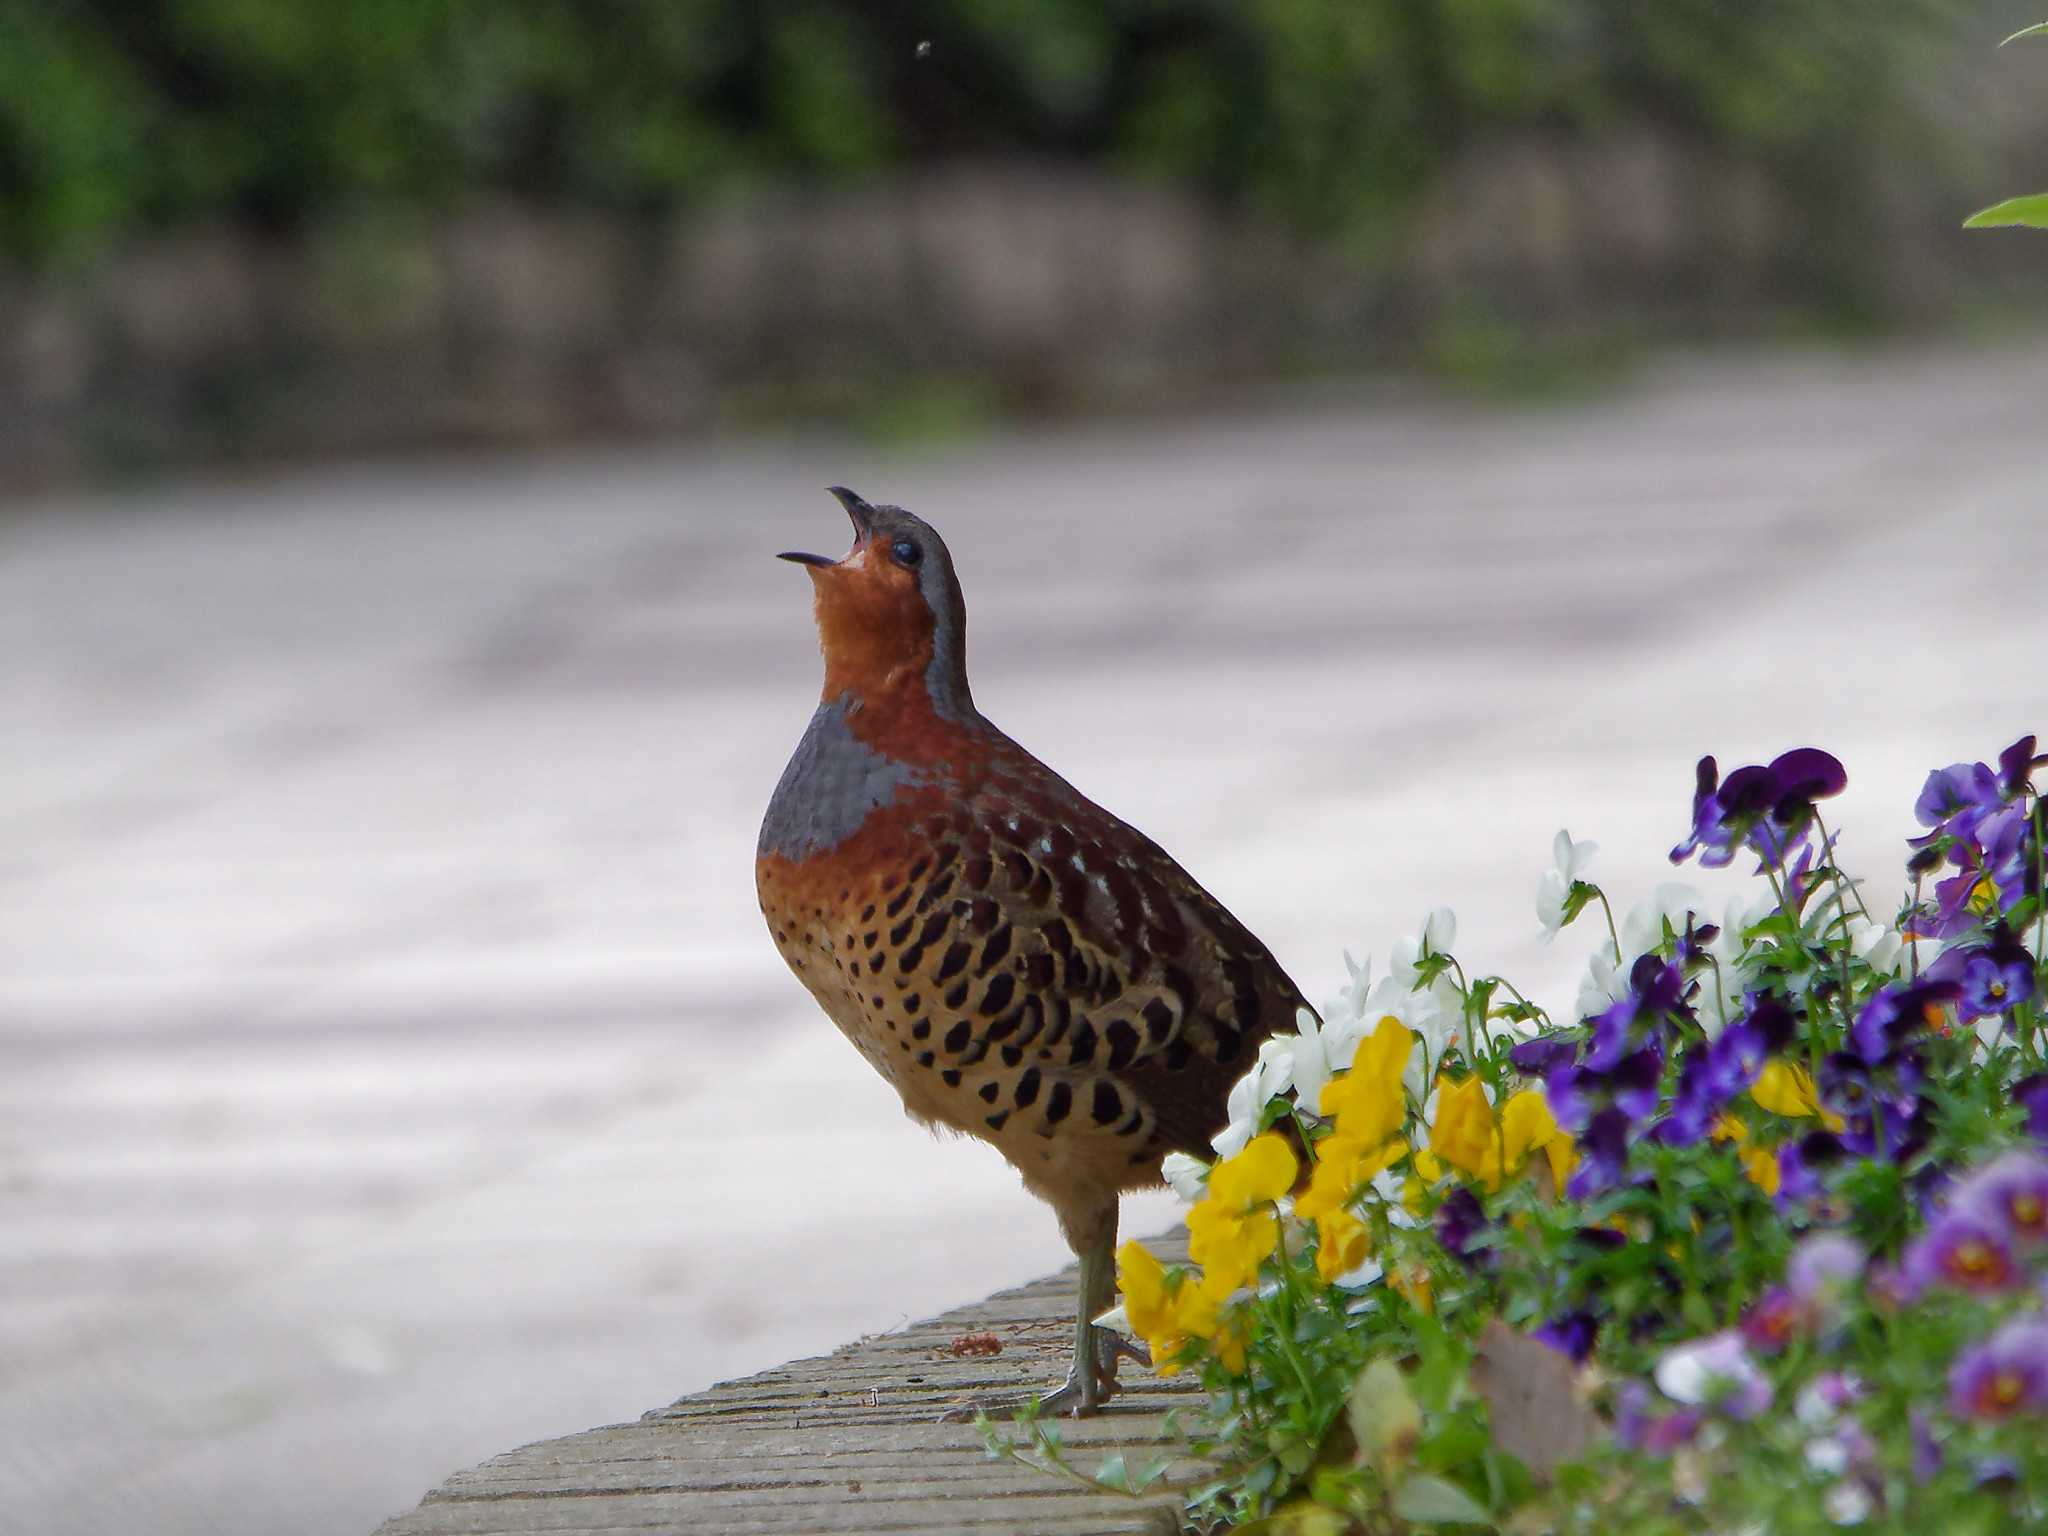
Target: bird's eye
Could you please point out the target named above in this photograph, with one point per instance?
(906, 552)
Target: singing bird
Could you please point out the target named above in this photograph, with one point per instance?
(1020, 964)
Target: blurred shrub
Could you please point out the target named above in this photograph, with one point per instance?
(120, 114)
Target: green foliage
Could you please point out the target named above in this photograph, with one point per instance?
(2029, 212)
(123, 114)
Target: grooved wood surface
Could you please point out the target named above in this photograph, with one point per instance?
(848, 1441)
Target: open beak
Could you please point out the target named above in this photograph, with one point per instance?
(862, 516)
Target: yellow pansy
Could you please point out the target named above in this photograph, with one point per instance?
(1366, 1101)
(1472, 1139)
(1526, 1126)
(1785, 1089)
(1760, 1164)
(1463, 1133)
(1343, 1167)
(1164, 1315)
(1342, 1243)
(1234, 1228)
(1412, 1282)
(1728, 1128)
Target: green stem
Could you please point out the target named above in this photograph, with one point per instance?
(1613, 934)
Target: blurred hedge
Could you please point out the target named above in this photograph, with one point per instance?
(118, 115)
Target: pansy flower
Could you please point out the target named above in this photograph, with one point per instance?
(2005, 1376)
(1963, 1251)
(1234, 1228)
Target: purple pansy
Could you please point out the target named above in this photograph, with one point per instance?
(1603, 1153)
(2005, 1375)
(2015, 763)
(1895, 1014)
(1570, 1334)
(2009, 1195)
(1990, 978)
(2031, 1094)
(1956, 799)
(1768, 806)
(1927, 1457)
(1460, 1220)
(1536, 1058)
(1797, 1160)
(1638, 1428)
(1773, 1320)
(1964, 1251)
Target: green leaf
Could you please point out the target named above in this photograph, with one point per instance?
(2030, 212)
(1430, 1500)
(2038, 29)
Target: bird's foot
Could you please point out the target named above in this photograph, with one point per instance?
(1080, 1396)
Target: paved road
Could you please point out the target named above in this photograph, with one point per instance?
(391, 1067)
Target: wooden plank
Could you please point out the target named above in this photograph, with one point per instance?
(849, 1441)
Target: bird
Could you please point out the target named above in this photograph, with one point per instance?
(1020, 964)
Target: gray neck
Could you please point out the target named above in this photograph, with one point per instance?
(946, 677)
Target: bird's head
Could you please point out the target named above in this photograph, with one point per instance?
(890, 614)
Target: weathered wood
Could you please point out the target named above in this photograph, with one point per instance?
(846, 1442)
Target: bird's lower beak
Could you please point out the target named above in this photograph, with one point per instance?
(862, 516)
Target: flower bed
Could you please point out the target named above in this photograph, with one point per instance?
(1753, 1241)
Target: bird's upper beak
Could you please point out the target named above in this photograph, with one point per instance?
(862, 516)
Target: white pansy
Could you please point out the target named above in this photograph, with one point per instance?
(1879, 947)
(1349, 1000)
(1267, 1079)
(1716, 1006)
(1321, 1049)
(1187, 1177)
(1439, 933)
(1704, 1368)
(1847, 1503)
(1643, 929)
(1605, 982)
(1554, 885)
(1728, 947)
(1431, 1015)
(1827, 1455)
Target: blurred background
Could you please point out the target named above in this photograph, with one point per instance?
(1371, 435)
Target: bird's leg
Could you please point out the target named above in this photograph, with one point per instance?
(1091, 1379)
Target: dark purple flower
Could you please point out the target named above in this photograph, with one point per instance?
(1603, 1153)
(1956, 798)
(1577, 1092)
(1804, 775)
(1600, 1239)
(1570, 1334)
(2031, 1094)
(1896, 1013)
(1459, 1221)
(1797, 1160)
(2005, 1375)
(1710, 830)
(1535, 1058)
(2010, 1195)
(1963, 1251)
(1994, 1474)
(2015, 763)
(1638, 1428)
